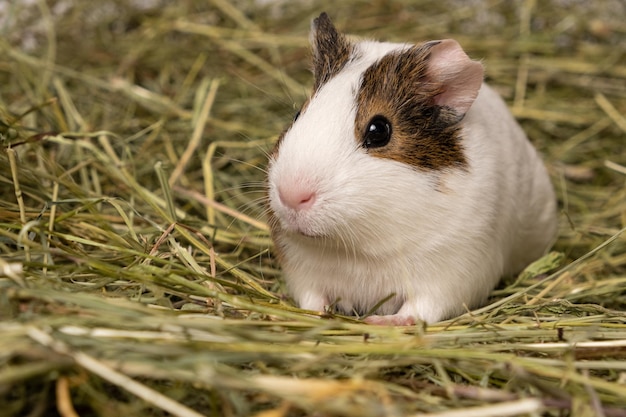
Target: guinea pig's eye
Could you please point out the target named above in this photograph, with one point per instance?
(378, 132)
(295, 116)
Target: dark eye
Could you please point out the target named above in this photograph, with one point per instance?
(295, 116)
(378, 132)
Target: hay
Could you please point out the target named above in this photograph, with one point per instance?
(135, 268)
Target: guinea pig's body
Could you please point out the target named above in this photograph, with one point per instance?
(404, 184)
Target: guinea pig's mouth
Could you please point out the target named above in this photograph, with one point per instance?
(303, 231)
(305, 234)
(298, 225)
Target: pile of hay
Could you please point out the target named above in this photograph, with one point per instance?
(136, 276)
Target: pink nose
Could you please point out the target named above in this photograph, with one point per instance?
(297, 199)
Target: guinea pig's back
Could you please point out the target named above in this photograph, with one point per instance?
(502, 158)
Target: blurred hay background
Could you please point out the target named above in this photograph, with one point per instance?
(136, 275)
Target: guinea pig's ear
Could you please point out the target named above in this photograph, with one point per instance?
(459, 76)
(331, 49)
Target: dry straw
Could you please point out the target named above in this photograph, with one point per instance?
(136, 275)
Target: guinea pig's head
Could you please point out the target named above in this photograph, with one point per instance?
(382, 123)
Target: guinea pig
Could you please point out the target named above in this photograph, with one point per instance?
(404, 189)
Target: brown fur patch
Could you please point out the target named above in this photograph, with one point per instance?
(331, 50)
(424, 134)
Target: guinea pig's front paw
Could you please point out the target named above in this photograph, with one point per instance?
(391, 320)
(312, 300)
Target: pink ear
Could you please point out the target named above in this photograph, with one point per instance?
(459, 76)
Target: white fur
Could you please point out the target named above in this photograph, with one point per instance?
(439, 240)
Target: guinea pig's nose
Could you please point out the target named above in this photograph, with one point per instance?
(296, 198)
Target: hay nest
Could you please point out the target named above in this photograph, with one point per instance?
(136, 275)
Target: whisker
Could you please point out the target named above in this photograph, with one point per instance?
(263, 170)
(194, 195)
